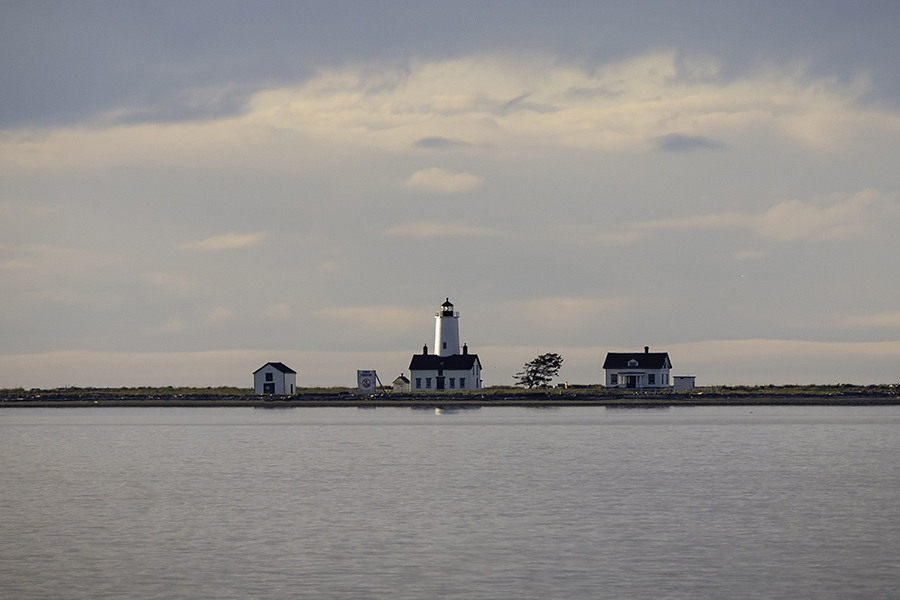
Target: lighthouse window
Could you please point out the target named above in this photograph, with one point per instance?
(452, 382)
(428, 382)
(445, 345)
(462, 383)
(418, 383)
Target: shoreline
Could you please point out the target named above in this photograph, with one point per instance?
(438, 401)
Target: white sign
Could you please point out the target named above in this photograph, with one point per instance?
(365, 380)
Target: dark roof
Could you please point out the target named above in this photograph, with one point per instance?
(433, 362)
(645, 360)
(401, 378)
(278, 366)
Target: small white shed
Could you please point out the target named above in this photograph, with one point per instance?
(275, 378)
(684, 382)
(401, 384)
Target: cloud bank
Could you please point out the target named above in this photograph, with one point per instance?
(636, 105)
(838, 217)
(442, 181)
(435, 229)
(227, 241)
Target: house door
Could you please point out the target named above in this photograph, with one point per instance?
(631, 381)
(440, 383)
(268, 388)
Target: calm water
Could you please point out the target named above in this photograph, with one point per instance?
(494, 503)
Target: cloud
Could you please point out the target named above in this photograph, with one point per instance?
(714, 362)
(278, 311)
(838, 217)
(442, 181)
(173, 326)
(569, 311)
(44, 259)
(207, 368)
(594, 235)
(765, 361)
(636, 105)
(373, 318)
(430, 229)
(218, 314)
(889, 319)
(439, 143)
(170, 282)
(677, 142)
(227, 241)
(619, 107)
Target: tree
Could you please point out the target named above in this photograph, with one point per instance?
(540, 371)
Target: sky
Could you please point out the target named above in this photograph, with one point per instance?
(191, 189)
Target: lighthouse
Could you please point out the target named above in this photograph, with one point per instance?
(450, 367)
(446, 330)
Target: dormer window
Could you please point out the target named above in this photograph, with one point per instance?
(632, 363)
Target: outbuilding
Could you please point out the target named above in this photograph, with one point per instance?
(684, 382)
(275, 378)
(401, 384)
(637, 370)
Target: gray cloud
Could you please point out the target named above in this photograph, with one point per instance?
(67, 62)
(437, 142)
(677, 142)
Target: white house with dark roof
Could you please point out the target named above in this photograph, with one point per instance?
(450, 368)
(275, 378)
(401, 384)
(638, 370)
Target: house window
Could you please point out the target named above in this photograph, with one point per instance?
(418, 383)
(614, 379)
(462, 383)
(651, 379)
(428, 382)
(452, 382)
(269, 377)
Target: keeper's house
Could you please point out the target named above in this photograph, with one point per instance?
(275, 378)
(637, 370)
(433, 372)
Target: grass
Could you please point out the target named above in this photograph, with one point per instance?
(809, 390)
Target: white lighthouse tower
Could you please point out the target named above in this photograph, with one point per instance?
(446, 330)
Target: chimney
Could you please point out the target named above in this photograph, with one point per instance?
(646, 349)
(465, 349)
(425, 350)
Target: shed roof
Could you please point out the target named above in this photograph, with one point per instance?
(278, 366)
